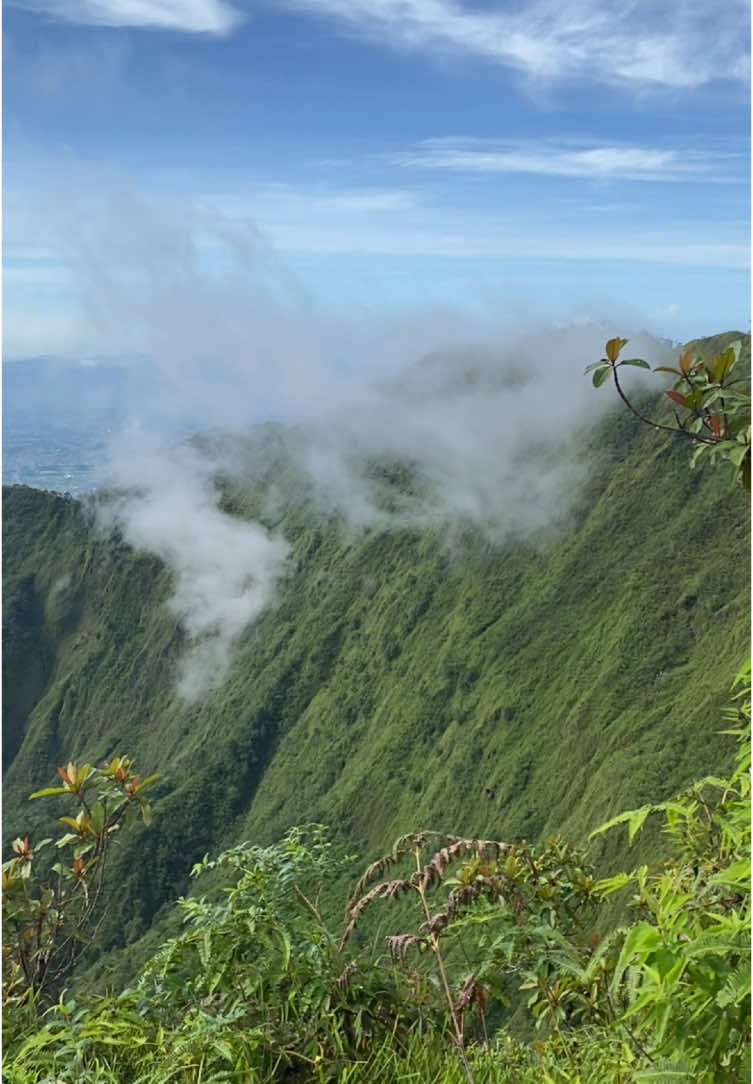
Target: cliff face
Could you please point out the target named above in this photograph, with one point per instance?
(400, 680)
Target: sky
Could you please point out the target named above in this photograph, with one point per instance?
(565, 159)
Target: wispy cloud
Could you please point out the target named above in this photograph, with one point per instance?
(287, 200)
(595, 162)
(194, 16)
(677, 43)
(673, 44)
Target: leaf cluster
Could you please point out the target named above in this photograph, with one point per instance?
(49, 922)
(711, 402)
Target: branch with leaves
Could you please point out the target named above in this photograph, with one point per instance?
(711, 404)
(47, 927)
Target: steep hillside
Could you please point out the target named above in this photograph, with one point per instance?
(402, 679)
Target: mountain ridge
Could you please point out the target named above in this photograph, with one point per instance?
(400, 681)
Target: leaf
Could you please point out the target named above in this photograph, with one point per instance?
(613, 347)
(684, 361)
(224, 1049)
(736, 989)
(600, 375)
(667, 369)
(710, 944)
(634, 817)
(613, 884)
(643, 938)
(737, 455)
(667, 1072)
(146, 782)
(205, 948)
(724, 363)
(47, 791)
(676, 397)
(710, 397)
(637, 820)
(639, 363)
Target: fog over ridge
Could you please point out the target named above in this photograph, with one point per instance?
(487, 435)
(482, 406)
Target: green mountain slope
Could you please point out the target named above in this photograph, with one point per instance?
(402, 680)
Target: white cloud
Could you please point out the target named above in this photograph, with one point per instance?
(604, 162)
(288, 199)
(197, 16)
(675, 44)
(678, 43)
(226, 571)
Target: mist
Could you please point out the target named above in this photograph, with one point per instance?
(225, 570)
(481, 409)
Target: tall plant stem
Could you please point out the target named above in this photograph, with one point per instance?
(443, 975)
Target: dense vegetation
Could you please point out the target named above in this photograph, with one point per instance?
(402, 680)
(257, 986)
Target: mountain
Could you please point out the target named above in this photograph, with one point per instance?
(401, 679)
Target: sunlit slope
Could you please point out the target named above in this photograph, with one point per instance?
(402, 680)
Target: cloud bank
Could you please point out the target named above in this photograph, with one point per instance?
(478, 416)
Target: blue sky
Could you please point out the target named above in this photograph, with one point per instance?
(561, 158)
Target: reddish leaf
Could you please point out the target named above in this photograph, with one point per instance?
(685, 362)
(676, 397)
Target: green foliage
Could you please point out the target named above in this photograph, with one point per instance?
(686, 962)
(262, 957)
(714, 401)
(257, 987)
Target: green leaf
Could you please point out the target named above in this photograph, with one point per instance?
(637, 820)
(600, 375)
(613, 884)
(146, 782)
(667, 369)
(639, 363)
(710, 397)
(736, 989)
(642, 939)
(725, 362)
(667, 1072)
(737, 454)
(634, 817)
(47, 791)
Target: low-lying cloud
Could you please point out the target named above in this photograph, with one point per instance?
(480, 414)
(226, 571)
